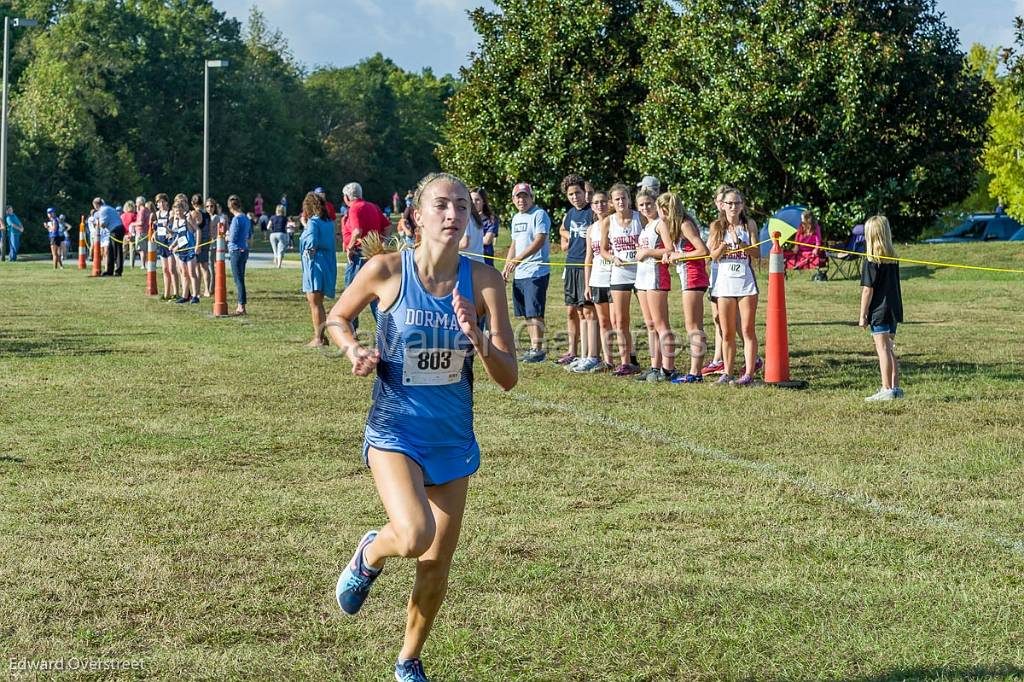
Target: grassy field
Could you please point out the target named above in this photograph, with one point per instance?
(183, 491)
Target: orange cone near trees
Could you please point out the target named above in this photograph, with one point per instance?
(151, 264)
(83, 249)
(776, 344)
(97, 252)
(220, 278)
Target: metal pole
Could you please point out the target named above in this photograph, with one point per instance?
(206, 130)
(3, 146)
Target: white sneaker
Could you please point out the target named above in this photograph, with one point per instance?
(587, 365)
(883, 394)
(571, 367)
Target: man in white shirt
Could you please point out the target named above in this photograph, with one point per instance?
(527, 264)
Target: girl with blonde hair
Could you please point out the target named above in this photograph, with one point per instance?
(881, 303)
(653, 282)
(689, 254)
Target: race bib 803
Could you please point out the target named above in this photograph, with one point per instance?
(432, 366)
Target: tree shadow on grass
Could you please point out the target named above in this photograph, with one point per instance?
(57, 345)
(844, 323)
(850, 369)
(284, 297)
(980, 672)
(11, 458)
(917, 271)
(949, 370)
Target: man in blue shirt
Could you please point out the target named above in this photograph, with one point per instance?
(14, 232)
(108, 217)
(527, 258)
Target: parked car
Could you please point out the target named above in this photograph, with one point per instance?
(981, 227)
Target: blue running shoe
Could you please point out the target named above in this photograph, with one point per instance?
(410, 670)
(355, 581)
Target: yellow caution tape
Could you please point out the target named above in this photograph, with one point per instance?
(908, 260)
(583, 265)
(167, 246)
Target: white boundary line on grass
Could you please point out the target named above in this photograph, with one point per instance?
(804, 483)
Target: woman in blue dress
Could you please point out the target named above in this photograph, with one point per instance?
(419, 440)
(319, 262)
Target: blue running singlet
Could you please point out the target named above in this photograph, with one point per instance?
(423, 394)
(185, 240)
(162, 233)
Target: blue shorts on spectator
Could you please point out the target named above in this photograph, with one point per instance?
(529, 296)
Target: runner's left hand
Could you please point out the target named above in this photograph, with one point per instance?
(465, 312)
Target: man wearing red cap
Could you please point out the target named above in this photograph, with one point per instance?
(528, 259)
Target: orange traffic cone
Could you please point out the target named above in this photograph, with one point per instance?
(83, 249)
(151, 264)
(97, 252)
(220, 278)
(776, 344)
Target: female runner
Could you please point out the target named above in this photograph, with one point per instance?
(419, 440)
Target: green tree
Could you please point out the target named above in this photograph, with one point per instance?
(377, 124)
(1005, 147)
(259, 119)
(985, 63)
(553, 89)
(854, 108)
(108, 101)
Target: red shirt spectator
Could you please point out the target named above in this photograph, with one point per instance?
(332, 215)
(366, 217)
(127, 219)
(141, 224)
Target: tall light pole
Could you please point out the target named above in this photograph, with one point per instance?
(210, 64)
(17, 23)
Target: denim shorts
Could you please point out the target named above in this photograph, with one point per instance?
(884, 328)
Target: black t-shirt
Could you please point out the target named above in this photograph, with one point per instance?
(886, 305)
(278, 223)
(204, 226)
(576, 222)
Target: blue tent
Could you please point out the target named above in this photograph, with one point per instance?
(789, 215)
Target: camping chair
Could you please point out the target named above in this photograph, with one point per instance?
(847, 265)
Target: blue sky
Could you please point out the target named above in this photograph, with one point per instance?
(437, 33)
